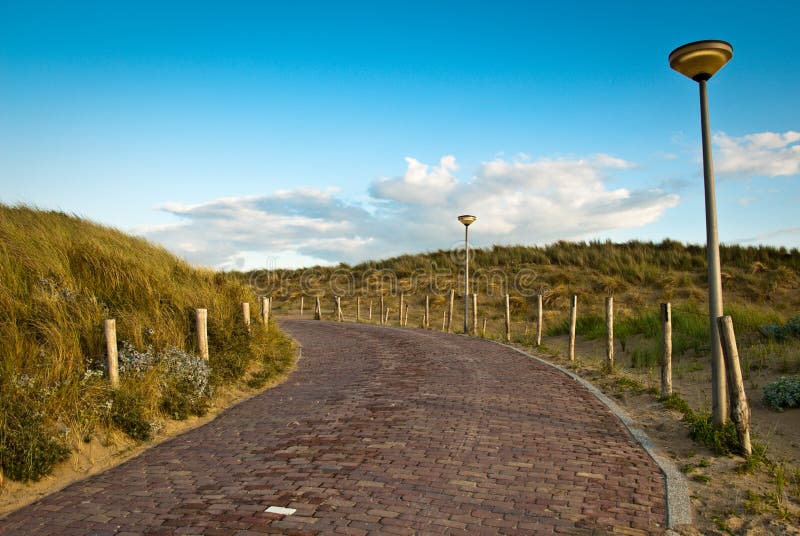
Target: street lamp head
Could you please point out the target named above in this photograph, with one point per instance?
(702, 59)
(466, 219)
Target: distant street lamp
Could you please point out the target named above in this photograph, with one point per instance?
(700, 61)
(466, 219)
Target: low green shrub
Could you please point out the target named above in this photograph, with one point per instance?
(757, 458)
(183, 380)
(783, 393)
(629, 384)
(28, 449)
(677, 402)
(185, 386)
(722, 440)
(790, 329)
(129, 412)
(134, 363)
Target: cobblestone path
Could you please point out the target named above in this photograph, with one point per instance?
(382, 431)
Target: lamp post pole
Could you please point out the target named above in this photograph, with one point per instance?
(466, 219)
(700, 61)
(718, 384)
(466, 277)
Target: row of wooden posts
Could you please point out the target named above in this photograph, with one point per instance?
(201, 322)
(447, 322)
(740, 412)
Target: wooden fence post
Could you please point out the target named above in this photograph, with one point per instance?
(370, 310)
(484, 326)
(538, 320)
(427, 311)
(301, 306)
(110, 329)
(358, 308)
(444, 319)
(450, 315)
(387, 315)
(317, 310)
(666, 350)
(246, 315)
(740, 411)
(610, 333)
(339, 315)
(508, 318)
(573, 318)
(201, 316)
(383, 313)
(475, 314)
(401, 310)
(405, 316)
(265, 310)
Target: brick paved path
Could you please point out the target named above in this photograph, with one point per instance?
(382, 431)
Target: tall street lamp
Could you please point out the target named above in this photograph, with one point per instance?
(466, 219)
(700, 61)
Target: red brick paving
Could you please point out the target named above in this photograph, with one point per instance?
(382, 431)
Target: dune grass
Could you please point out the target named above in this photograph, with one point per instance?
(60, 277)
(761, 288)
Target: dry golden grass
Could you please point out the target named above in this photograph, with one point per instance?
(60, 277)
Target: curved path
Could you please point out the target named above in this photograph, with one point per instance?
(382, 431)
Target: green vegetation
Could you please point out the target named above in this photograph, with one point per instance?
(776, 500)
(677, 402)
(633, 262)
(60, 277)
(791, 329)
(757, 458)
(760, 287)
(29, 449)
(722, 441)
(783, 393)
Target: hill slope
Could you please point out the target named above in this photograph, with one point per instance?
(60, 277)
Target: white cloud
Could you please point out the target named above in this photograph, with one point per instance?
(517, 201)
(313, 223)
(608, 161)
(420, 184)
(746, 201)
(768, 154)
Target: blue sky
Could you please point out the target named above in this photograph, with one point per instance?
(251, 134)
